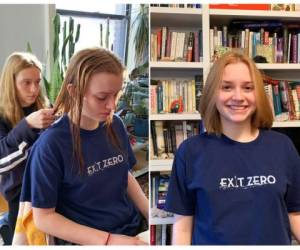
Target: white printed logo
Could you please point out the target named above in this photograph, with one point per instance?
(104, 164)
(247, 182)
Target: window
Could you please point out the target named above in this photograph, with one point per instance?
(93, 18)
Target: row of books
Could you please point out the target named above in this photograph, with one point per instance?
(167, 45)
(284, 97)
(160, 234)
(274, 7)
(166, 136)
(176, 95)
(186, 5)
(275, 49)
(159, 185)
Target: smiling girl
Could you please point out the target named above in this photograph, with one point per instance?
(239, 182)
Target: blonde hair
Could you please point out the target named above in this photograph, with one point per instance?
(83, 65)
(262, 117)
(10, 106)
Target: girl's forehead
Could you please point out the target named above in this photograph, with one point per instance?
(105, 82)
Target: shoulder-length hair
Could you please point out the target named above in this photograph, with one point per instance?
(83, 65)
(10, 106)
(262, 117)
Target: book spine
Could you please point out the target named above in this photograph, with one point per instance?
(285, 45)
(153, 136)
(196, 46)
(276, 100)
(159, 33)
(279, 53)
(169, 41)
(201, 46)
(240, 6)
(163, 42)
(224, 36)
(294, 52)
(190, 47)
(152, 235)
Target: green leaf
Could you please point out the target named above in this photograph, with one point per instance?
(28, 48)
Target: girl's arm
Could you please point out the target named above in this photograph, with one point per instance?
(52, 223)
(295, 224)
(14, 143)
(182, 230)
(137, 195)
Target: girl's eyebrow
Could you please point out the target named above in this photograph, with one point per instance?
(29, 79)
(245, 82)
(107, 93)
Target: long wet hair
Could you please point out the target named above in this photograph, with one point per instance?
(10, 106)
(83, 65)
(262, 117)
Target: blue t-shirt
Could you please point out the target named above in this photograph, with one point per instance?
(97, 198)
(238, 193)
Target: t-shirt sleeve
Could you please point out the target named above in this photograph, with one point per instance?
(180, 199)
(45, 173)
(293, 188)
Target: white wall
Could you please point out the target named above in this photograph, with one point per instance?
(22, 23)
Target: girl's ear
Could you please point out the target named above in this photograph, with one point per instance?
(71, 89)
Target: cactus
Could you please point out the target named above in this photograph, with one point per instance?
(56, 25)
(107, 34)
(28, 47)
(101, 33)
(60, 58)
(141, 39)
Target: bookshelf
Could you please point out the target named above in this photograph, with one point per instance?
(205, 19)
(176, 65)
(184, 116)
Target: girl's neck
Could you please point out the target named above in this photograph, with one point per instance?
(240, 133)
(86, 123)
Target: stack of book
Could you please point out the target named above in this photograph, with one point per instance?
(274, 40)
(284, 98)
(166, 136)
(167, 45)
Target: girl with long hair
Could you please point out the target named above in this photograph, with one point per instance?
(81, 188)
(23, 113)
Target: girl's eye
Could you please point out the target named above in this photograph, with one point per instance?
(249, 88)
(226, 87)
(100, 98)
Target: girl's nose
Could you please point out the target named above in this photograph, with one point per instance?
(111, 104)
(237, 94)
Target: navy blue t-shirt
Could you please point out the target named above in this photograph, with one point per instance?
(238, 193)
(97, 198)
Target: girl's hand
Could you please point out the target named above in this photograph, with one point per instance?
(118, 239)
(41, 118)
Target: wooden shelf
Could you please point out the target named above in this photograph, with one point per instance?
(176, 65)
(175, 117)
(160, 221)
(161, 165)
(255, 14)
(279, 66)
(176, 11)
(286, 124)
(178, 17)
(140, 172)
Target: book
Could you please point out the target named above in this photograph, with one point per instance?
(241, 6)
